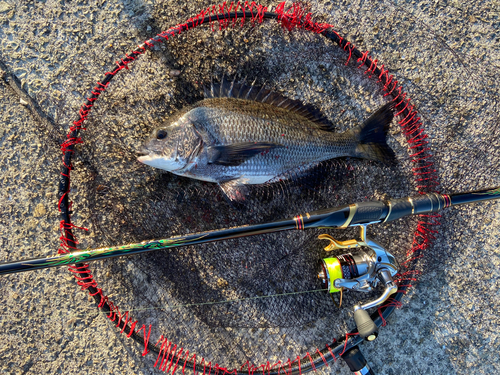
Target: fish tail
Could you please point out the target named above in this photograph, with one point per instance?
(371, 136)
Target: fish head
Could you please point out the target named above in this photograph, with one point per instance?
(172, 147)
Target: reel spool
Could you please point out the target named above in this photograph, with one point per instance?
(359, 272)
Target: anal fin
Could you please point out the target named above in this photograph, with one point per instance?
(234, 191)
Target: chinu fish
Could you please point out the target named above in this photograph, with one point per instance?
(241, 134)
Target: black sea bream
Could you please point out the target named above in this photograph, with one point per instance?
(243, 135)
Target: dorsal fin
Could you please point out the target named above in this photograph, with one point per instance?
(232, 89)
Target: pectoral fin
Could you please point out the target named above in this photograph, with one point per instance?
(237, 153)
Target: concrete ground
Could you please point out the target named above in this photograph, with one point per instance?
(445, 53)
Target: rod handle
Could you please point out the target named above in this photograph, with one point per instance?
(369, 212)
(357, 362)
(426, 203)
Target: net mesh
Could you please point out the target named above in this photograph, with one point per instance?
(250, 300)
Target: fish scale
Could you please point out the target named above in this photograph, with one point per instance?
(297, 140)
(265, 123)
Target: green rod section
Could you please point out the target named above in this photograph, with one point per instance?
(333, 218)
(362, 213)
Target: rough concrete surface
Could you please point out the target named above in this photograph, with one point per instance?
(446, 55)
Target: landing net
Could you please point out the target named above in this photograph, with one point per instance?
(251, 304)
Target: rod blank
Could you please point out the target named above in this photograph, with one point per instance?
(338, 217)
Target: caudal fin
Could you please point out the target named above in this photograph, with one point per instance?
(372, 136)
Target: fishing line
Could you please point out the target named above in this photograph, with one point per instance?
(231, 300)
(186, 305)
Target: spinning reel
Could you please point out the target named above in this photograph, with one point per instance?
(359, 272)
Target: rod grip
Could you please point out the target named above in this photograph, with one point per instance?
(369, 212)
(422, 204)
(356, 361)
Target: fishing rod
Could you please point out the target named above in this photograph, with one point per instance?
(359, 272)
(357, 214)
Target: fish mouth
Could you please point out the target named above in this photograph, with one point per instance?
(143, 151)
(142, 154)
(157, 161)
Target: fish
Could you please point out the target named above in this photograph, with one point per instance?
(241, 135)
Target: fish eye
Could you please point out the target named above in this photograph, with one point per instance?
(161, 134)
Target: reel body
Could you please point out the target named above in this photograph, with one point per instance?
(359, 272)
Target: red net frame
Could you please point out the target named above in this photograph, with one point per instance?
(170, 357)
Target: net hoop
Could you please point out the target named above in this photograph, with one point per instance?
(169, 356)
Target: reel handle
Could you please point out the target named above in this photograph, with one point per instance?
(367, 328)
